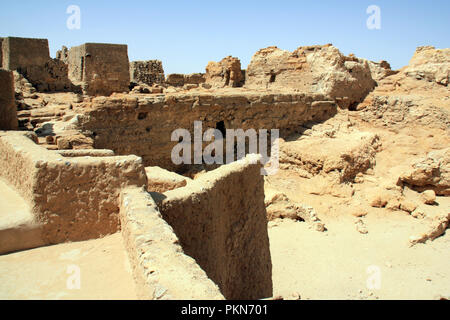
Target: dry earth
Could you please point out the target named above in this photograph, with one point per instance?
(43, 273)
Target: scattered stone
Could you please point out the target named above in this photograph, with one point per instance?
(358, 212)
(361, 227)
(430, 173)
(407, 205)
(436, 227)
(418, 214)
(49, 140)
(278, 205)
(378, 198)
(293, 296)
(428, 197)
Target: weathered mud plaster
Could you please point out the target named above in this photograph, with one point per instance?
(161, 269)
(220, 219)
(72, 198)
(142, 125)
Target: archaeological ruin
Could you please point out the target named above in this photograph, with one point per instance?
(86, 146)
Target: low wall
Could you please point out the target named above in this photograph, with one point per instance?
(72, 198)
(142, 125)
(220, 219)
(161, 269)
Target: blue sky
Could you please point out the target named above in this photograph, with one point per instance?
(185, 35)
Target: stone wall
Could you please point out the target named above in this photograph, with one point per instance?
(24, 52)
(143, 125)
(100, 69)
(220, 219)
(161, 269)
(8, 111)
(73, 198)
(147, 72)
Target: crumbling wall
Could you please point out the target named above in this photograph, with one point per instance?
(72, 198)
(226, 73)
(220, 219)
(179, 80)
(147, 72)
(24, 52)
(379, 70)
(194, 78)
(100, 69)
(144, 125)
(161, 269)
(63, 55)
(50, 77)
(430, 64)
(31, 58)
(318, 69)
(8, 111)
(429, 173)
(161, 180)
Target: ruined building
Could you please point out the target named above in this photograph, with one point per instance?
(147, 72)
(100, 69)
(31, 59)
(96, 159)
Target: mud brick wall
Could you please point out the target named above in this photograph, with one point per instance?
(179, 80)
(50, 77)
(8, 111)
(73, 199)
(148, 72)
(220, 219)
(24, 52)
(100, 69)
(160, 267)
(143, 125)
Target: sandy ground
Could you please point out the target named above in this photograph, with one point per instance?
(50, 272)
(13, 210)
(345, 264)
